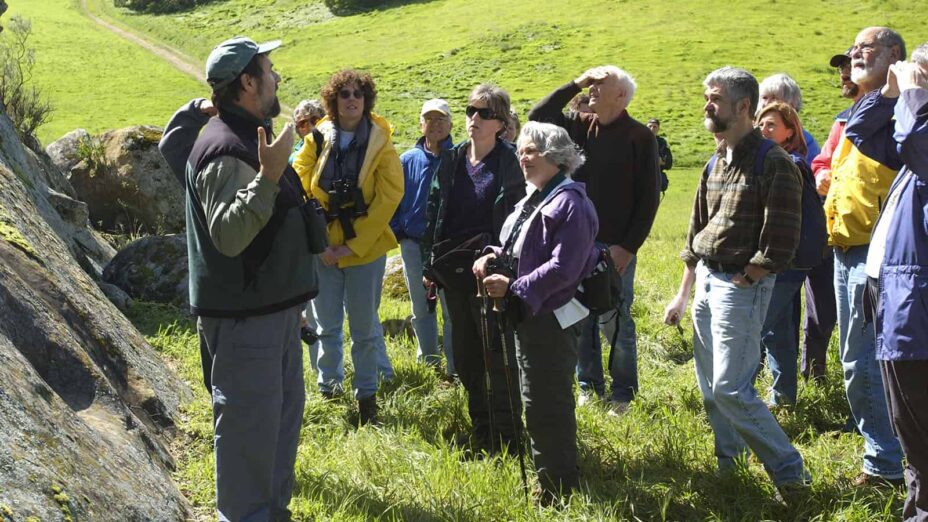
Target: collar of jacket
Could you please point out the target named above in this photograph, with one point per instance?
(234, 113)
(381, 132)
(444, 144)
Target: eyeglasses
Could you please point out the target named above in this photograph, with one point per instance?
(485, 113)
(348, 93)
(429, 118)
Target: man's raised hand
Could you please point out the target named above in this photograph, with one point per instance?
(273, 158)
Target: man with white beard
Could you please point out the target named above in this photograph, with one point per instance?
(862, 169)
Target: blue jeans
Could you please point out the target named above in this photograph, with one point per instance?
(862, 378)
(354, 290)
(425, 323)
(780, 338)
(726, 349)
(623, 359)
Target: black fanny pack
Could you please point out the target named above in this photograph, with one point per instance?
(453, 261)
(601, 290)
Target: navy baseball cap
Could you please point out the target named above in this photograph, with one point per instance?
(230, 57)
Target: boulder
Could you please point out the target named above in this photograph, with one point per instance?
(116, 296)
(153, 268)
(394, 282)
(127, 185)
(65, 152)
(87, 407)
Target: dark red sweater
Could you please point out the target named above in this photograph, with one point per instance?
(621, 171)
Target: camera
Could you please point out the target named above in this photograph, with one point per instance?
(503, 265)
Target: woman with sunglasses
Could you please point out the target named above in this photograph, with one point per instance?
(357, 178)
(305, 117)
(476, 185)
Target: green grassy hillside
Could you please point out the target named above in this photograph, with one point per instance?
(94, 79)
(654, 463)
(445, 47)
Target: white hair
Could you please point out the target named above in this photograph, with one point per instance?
(782, 87)
(920, 55)
(625, 80)
(308, 108)
(554, 144)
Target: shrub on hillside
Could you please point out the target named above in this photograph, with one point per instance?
(347, 7)
(158, 6)
(24, 103)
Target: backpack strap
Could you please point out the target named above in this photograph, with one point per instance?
(710, 166)
(762, 150)
(318, 139)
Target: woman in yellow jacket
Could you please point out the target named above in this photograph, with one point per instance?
(357, 177)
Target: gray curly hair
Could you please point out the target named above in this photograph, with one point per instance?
(554, 144)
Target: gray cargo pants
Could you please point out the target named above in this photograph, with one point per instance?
(258, 396)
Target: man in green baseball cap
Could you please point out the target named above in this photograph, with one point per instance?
(249, 242)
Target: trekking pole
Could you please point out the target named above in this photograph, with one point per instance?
(499, 306)
(485, 338)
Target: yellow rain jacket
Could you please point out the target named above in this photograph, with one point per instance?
(380, 181)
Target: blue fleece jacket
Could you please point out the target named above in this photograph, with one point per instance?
(418, 167)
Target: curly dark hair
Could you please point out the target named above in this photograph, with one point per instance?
(342, 79)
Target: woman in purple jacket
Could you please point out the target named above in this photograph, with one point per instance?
(548, 244)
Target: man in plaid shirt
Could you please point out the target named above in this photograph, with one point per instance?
(744, 229)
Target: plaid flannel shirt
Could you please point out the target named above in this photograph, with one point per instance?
(739, 218)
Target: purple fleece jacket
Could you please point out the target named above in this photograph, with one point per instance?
(558, 251)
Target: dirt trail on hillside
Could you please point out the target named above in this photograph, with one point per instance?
(179, 62)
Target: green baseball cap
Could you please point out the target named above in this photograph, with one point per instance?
(230, 57)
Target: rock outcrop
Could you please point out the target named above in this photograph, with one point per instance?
(153, 268)
(87, 407)
(122, 177)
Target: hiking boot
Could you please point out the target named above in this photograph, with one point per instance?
(616, 408)
(876, 481)
(367, 410)
(792, 494)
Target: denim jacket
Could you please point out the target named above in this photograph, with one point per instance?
(902, 320)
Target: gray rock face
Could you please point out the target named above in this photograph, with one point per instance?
(87, 407)
(64, 151)
(127, 185)
(153, 268)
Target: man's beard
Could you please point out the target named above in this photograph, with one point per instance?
(849, 90)
(714, 124)
(875, 72)
(274, 110)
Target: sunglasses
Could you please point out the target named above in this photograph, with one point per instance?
(311, 121)
(484, 113)
(347, 93)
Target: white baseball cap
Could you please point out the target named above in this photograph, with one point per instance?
(435, 105)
